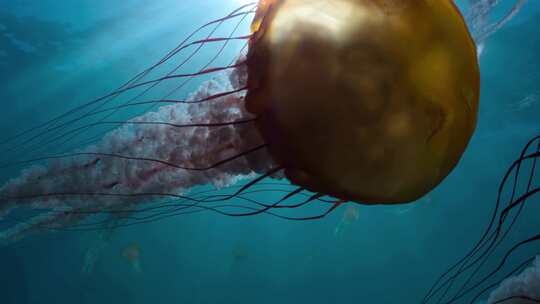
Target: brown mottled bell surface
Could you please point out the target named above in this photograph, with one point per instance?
(372, 101)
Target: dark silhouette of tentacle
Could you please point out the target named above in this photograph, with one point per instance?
(57, 125)
(494, 234)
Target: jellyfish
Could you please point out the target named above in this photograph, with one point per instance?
(132, 254)
(93, 254)
(239, 253)
(328, 103)
(483, 24)
(481, 20)
(350, 215)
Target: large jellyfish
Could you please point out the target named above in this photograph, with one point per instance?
(361, 101)
(368, 122)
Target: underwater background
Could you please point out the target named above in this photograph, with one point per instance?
(55, 55)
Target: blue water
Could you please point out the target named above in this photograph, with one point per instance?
(56, 54)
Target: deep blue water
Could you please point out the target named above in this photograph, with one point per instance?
(56, 54)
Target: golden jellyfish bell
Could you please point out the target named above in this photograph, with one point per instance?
(372, 101)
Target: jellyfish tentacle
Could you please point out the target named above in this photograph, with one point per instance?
(503, 261)
(193, 125)
(495, 236)
(176, 101)
(320, 216)
(255, 211)
(216, 96)
(504, 213)
(273, 206)
(182, 75)
(215, 57)
(256, 180)
(234, 148)
(488, 235)
(146, 159)
(511, 273)
(44, 221)
(121, 123)
(290, 195)
(193, 198)
(497, 239)
(108, 98)
(236, 13)
(188, 79)
(312, 198)
(47, 143)
(180, 209)
(536, 238)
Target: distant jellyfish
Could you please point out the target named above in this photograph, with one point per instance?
(321, 92)
(485, 17)
(351, 214)
(239, 253)
(132, 254)
(93, 254)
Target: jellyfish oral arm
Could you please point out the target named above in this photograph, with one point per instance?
(200, 143)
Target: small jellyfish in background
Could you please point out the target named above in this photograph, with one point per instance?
(132, 254)
(239, 253)
(351, 214)
(357, 118)
(92, 256)
(482, 21)
(94, 253)
(239, 257)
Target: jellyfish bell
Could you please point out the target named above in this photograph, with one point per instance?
(368, 101)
